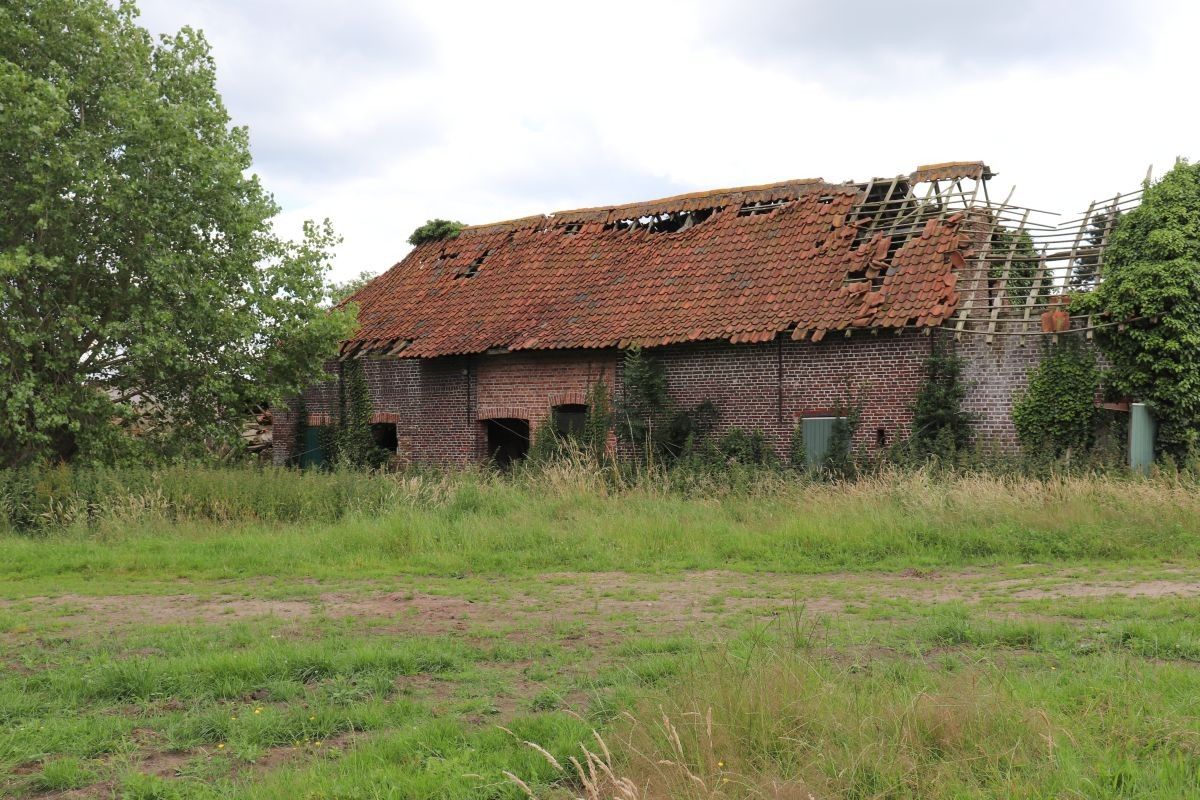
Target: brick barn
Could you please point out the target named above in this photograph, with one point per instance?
(768, 300)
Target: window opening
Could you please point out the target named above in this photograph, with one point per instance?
(569, 419)
(384, 435)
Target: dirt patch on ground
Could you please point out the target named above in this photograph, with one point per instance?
(667, 602)
(1152, 589)
(152, 609)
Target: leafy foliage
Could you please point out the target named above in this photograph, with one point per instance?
(687, 427)
(798, 454)
(1151, 288)
(1057, 413)
(644, 402)
(599, 419)
(648, 420)
(749, 448)
(348, 442)
(1021, 259)
(940, 425)
(435, 230)
(1083, 271)
(342, 290)
(140, 278)
(839, 459)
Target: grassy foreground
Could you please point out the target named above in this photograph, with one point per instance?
(228, 633)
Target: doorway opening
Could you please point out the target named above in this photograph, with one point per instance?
(507, 440)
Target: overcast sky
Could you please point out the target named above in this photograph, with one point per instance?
(380, 114)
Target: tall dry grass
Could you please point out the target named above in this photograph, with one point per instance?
(575, 514)
(778, 724)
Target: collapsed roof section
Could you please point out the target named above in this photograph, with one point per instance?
(804, 257)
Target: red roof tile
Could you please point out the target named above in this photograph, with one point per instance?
(577, 279)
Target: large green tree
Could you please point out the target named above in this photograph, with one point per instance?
(1150, 298)
(139, 272)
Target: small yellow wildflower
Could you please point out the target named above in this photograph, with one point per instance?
(221, 746)
(234, 717)
(313, 717)
(317, 744)
(721, 764)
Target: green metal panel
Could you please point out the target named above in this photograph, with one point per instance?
(817, 431)
(312, 455)
(1142, 429)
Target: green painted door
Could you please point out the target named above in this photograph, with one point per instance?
(312, 455)
(1141, 437)
(817, 433)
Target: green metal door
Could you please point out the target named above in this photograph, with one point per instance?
(1142, 430)
(817, 433)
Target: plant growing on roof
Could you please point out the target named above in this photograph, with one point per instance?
(435, 230)
(1150, 295)
(140, 276)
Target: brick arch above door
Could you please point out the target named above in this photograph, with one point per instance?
(501, 412)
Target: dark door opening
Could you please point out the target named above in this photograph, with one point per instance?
(507, 440)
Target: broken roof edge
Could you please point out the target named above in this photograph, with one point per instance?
(411, 348)
(951, 170)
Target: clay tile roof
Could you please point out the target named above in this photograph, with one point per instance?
(586, 278)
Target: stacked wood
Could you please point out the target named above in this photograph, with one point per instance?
(256, 434)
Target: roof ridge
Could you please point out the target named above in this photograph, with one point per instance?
(699, 194)
(795, 186)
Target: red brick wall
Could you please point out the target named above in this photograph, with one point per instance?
(438, 404)
(997, 372)
(768, 386)
(528, 385)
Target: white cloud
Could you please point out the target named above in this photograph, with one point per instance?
(380, 115)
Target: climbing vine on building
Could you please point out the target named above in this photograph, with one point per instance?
(348, 441)
(940, 424)
(598, 421)
(646, 418)
(1149, 301)
(1057, 413)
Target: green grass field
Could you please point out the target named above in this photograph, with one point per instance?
(246, 634)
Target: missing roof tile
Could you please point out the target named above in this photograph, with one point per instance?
(667, 222)
(755, 209)
(472, 269)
